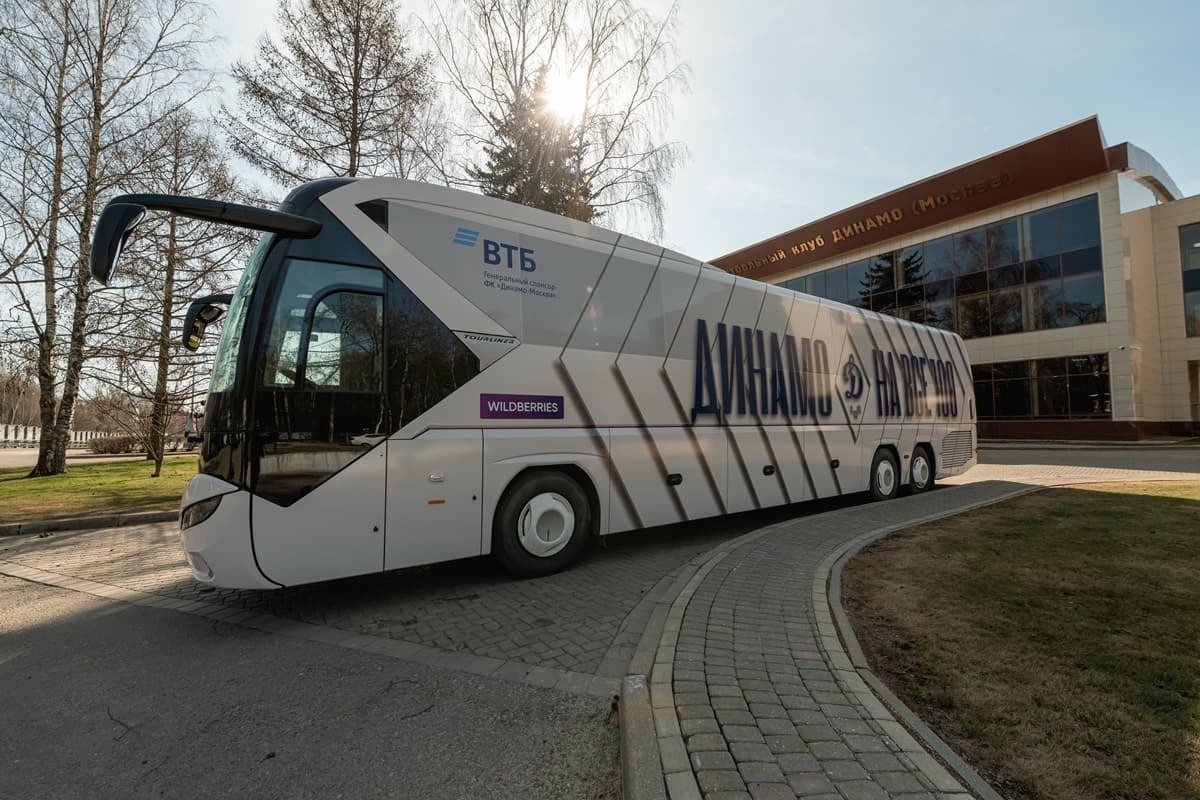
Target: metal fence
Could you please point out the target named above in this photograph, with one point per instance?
(30, 436)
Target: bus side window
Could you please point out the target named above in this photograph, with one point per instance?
(344, 350)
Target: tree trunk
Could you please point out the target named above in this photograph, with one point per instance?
(83, 275)
(159, 412)
(47, 463)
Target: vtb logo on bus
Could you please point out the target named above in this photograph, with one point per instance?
(491, 250)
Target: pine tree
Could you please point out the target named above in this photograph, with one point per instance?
(535, 160)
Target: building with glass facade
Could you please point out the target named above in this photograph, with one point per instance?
(1071, 269)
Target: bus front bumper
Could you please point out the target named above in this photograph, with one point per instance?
(217, 543)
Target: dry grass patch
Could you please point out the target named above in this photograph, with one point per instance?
(89, 489)
(1053, 640)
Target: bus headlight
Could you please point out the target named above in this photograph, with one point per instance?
(198, 512)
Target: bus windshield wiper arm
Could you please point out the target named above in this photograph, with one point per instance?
(123, 213)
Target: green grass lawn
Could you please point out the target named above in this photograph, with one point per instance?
(1053, 640)
(89, 489)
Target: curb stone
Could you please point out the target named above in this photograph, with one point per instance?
(86, 523)
(827, 591)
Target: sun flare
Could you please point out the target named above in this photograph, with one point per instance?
(565, 96)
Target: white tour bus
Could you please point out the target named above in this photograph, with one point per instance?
(410, 374)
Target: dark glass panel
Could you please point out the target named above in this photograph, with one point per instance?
(940, 314)
(1051, 396)
(883, 301)
(910, 264)
(1006, 312)
(1191, 313)
(1043, 305)
(939, 258)
(835, 284)
(1011, 369)
(816, 284)
(911, 295)
(1012, 398)
(970, 251)
(1041, 233)
(1088, 365)
(795, 284)
(1078, 262)
(1189, 247)
(1191, 280)
(1089, 396)
(1004, 243)
(881, 273)
(1012, 275)
(981, 372)
(1083, 300)
(1050, 367)
(1042, 269)
(912, 314)
(973, 317)
(1079, 223)
(939, 290)
(856, 279)
(985, 404)
(970, 284)
(426, 360)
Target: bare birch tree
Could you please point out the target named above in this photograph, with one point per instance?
(88, 78)
(341, 93)
(143, 375)
(615, 63)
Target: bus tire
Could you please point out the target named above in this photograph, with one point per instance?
(543, 524)
(885, 475)
(921, 474)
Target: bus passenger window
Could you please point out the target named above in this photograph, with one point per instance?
(345, 343)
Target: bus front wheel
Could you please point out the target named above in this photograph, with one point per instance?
(542, 524)
(885, 475)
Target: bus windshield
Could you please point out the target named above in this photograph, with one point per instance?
(225, 364)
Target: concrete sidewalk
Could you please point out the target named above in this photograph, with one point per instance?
(753, 692)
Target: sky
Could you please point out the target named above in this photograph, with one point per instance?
(799, 109)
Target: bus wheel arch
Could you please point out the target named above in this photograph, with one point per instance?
(545, 519)
(922, 468)
(884, 477)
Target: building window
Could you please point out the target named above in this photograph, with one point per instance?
(1075, 387)
(1189, 254)
(1034, 272)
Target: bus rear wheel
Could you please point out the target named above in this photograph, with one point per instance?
(542, 524)
(885, 475)
(921, 469)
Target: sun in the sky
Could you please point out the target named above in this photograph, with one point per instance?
(565, 96)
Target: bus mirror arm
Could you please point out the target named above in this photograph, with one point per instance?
(122, 214)
(200, 314)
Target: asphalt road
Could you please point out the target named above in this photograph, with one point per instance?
(105, 699)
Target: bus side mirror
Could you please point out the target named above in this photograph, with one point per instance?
(203, 312)
(113, 229)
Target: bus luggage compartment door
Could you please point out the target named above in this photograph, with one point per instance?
(434, 497)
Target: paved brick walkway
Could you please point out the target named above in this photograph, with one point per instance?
(753, 693)
(583, 621)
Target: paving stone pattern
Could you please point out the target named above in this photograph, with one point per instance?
(765, 708)
(587, 620)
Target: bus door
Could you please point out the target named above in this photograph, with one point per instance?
(321, 421)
